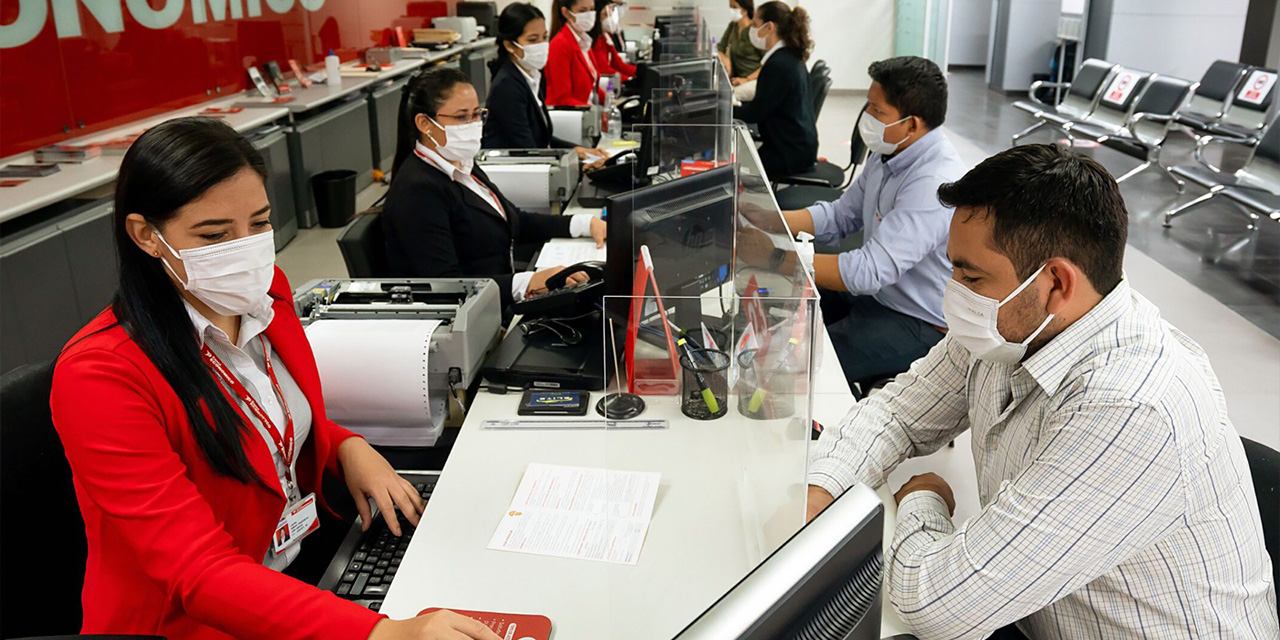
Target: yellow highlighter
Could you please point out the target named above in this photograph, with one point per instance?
(757, 398)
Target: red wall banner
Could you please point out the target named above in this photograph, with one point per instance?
(72, 67)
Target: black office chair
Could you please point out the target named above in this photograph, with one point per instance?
(364, 246)
(820, 91)
(819, 69)
(827, 181)
(42, 542)
(1264, 466)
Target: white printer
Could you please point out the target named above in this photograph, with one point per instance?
(466, 27)
(579, 125)
(394, 355)
(540, 180)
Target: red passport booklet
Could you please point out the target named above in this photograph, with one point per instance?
(508, 626)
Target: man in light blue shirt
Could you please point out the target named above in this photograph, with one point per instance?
(882, 302)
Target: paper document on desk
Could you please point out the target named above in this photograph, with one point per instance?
(579, 512)
(563, 252)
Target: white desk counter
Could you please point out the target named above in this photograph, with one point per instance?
(732, 491)
(74, 179)
(317, 95)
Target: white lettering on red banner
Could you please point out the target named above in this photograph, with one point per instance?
(33, 14)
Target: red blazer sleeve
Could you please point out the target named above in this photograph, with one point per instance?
(111, 426)
(559, 72)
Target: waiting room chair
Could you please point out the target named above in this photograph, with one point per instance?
(42, 541)
(1212, 97)
(1264, 466)
(820, 91)
(1110, 114)
(1144, 131)
(364, 246)
(1247, 115)
(1083, 94)
(1253, 190)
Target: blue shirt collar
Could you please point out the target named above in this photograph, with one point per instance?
(903, 159)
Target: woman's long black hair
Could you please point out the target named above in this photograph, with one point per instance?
(511, 24)
(424, 93)
(598, 30)
(167, 167)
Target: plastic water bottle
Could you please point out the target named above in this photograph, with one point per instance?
(332, 70)
(615, 123)
(804, 250)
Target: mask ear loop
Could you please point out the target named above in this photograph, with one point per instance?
(165, 261)
(1024, 285)
(438, 126)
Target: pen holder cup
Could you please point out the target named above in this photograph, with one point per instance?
(764, 394)
(705, 384)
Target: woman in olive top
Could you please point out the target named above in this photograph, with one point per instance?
(741, 58)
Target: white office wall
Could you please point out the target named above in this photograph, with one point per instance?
(970, 27)
(850, 35)
(1176, 37)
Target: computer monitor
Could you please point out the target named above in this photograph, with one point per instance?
(824, 582)
(688, 225)
(694, 73)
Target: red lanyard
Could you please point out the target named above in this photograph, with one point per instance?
(284, 444)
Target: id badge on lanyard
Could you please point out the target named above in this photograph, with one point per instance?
(300, 517)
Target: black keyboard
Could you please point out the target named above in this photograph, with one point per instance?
(378, 554)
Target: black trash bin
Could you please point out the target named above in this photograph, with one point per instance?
(335, 194)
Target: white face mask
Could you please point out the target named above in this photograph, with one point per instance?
(231, 277)
(972, 319)
(462, 143)
(535, 55)
(584, 21)
(757, 40)
(611, 23)
(738, 13)
(619, 10)
(872, 132)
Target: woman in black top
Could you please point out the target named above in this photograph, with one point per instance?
(442, 216)
(783, 104)
(517, 100)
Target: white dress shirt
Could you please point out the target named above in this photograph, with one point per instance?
(579, 224)
(246, 362)
(534, 78)
(1116, 498)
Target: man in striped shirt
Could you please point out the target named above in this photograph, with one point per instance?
(1116, 498)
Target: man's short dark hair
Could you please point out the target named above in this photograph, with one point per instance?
(1048, 202)
(914, 86)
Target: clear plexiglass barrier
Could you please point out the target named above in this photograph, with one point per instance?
(710, 326)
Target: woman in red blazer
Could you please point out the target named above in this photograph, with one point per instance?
(180, 490)
(570, 74)
(604, 54)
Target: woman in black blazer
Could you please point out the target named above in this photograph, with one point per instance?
(783, 106)
(517, 99)
(442, 216)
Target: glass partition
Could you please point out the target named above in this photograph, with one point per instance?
(715, 337)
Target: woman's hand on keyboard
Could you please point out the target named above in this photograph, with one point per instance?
(370, 477)
(437, 625)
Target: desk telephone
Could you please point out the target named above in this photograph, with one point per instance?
(560, 301)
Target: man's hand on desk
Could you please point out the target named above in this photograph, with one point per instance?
(599, 231)
(370, 477)
(437, 625)
(928, 482)
(818, 500)
(756, 249)
(762, 218)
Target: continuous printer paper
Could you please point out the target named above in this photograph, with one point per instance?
(374, 375)
(525, 185)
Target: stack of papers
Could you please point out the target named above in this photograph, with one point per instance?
(563, 252)
(579, 512)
